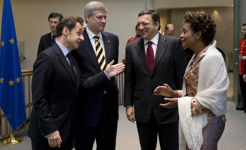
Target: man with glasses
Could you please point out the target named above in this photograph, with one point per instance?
(48, 39)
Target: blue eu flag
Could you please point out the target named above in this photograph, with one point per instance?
(12, 99)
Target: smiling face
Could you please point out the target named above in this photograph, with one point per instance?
(97, 22)
(146, 27)
(74, 37)
(188, 37)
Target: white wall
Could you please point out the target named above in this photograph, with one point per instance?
(31, 21)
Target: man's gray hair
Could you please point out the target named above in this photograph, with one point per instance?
(92, 6)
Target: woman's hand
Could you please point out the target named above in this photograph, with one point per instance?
(165, 90)
(173, 102)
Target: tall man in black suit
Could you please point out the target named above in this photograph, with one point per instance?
(54, 85)
(96, 111)
(48, 39)
(152, 60)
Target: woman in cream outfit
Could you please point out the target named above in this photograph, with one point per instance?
(202, 101)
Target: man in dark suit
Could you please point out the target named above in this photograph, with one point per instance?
(96, 111)
(54, 85)
(48, 39)
(152, 60)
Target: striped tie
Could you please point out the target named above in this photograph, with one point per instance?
(99, 53)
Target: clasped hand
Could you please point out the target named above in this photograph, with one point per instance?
(54, 139)
(167, 91)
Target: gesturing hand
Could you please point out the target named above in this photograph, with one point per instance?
(113, 70)
(173, 102)
(54, 139)
(165, 90)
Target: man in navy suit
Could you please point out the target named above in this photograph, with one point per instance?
(96, 111)
(54, 86)
(48, 39)
(151, 60)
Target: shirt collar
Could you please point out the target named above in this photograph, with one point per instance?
(153, 40)
(64, 50)
(52, 34)
(91, 34)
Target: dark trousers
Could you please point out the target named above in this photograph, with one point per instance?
(45, 146)
(243, 89)
(168, 135)
(104, 133)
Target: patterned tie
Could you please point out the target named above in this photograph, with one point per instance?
(150, 56)
(99, 53)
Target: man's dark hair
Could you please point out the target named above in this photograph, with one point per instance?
(54, 15)
(166, 27)
(154, 15)
(244, 24)
(69, 22)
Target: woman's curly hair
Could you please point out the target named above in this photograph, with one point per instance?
(201, 22)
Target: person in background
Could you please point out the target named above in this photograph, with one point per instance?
(169, 30)
(96, 111)
(54, 86)
(133, 38)
(202, 102)
(151, 60)
(48, 39)
(241, 70)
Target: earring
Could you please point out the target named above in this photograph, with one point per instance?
(197, 38)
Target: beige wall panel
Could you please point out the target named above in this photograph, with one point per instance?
(163, 19)
(167, 4)
(223, 17)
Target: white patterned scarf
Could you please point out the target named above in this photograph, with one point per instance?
(211, 93)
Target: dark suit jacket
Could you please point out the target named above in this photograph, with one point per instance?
(54, 87)
(45, 42)
(169, 67)
(96, 87)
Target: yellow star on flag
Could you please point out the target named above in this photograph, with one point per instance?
(11, 82)
(12, 41)
(17, 80)
(2, 43)
(1, 80)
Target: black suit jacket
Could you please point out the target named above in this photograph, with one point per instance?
(96, 87)
(54, 87)
(45, 42)
(169, 67)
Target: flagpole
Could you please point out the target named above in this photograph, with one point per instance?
(12, 140)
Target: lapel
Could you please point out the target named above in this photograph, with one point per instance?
(161, 48)
(64, 62)
(141, 52)
(87, 47)
(48, 40)
(107, 46)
